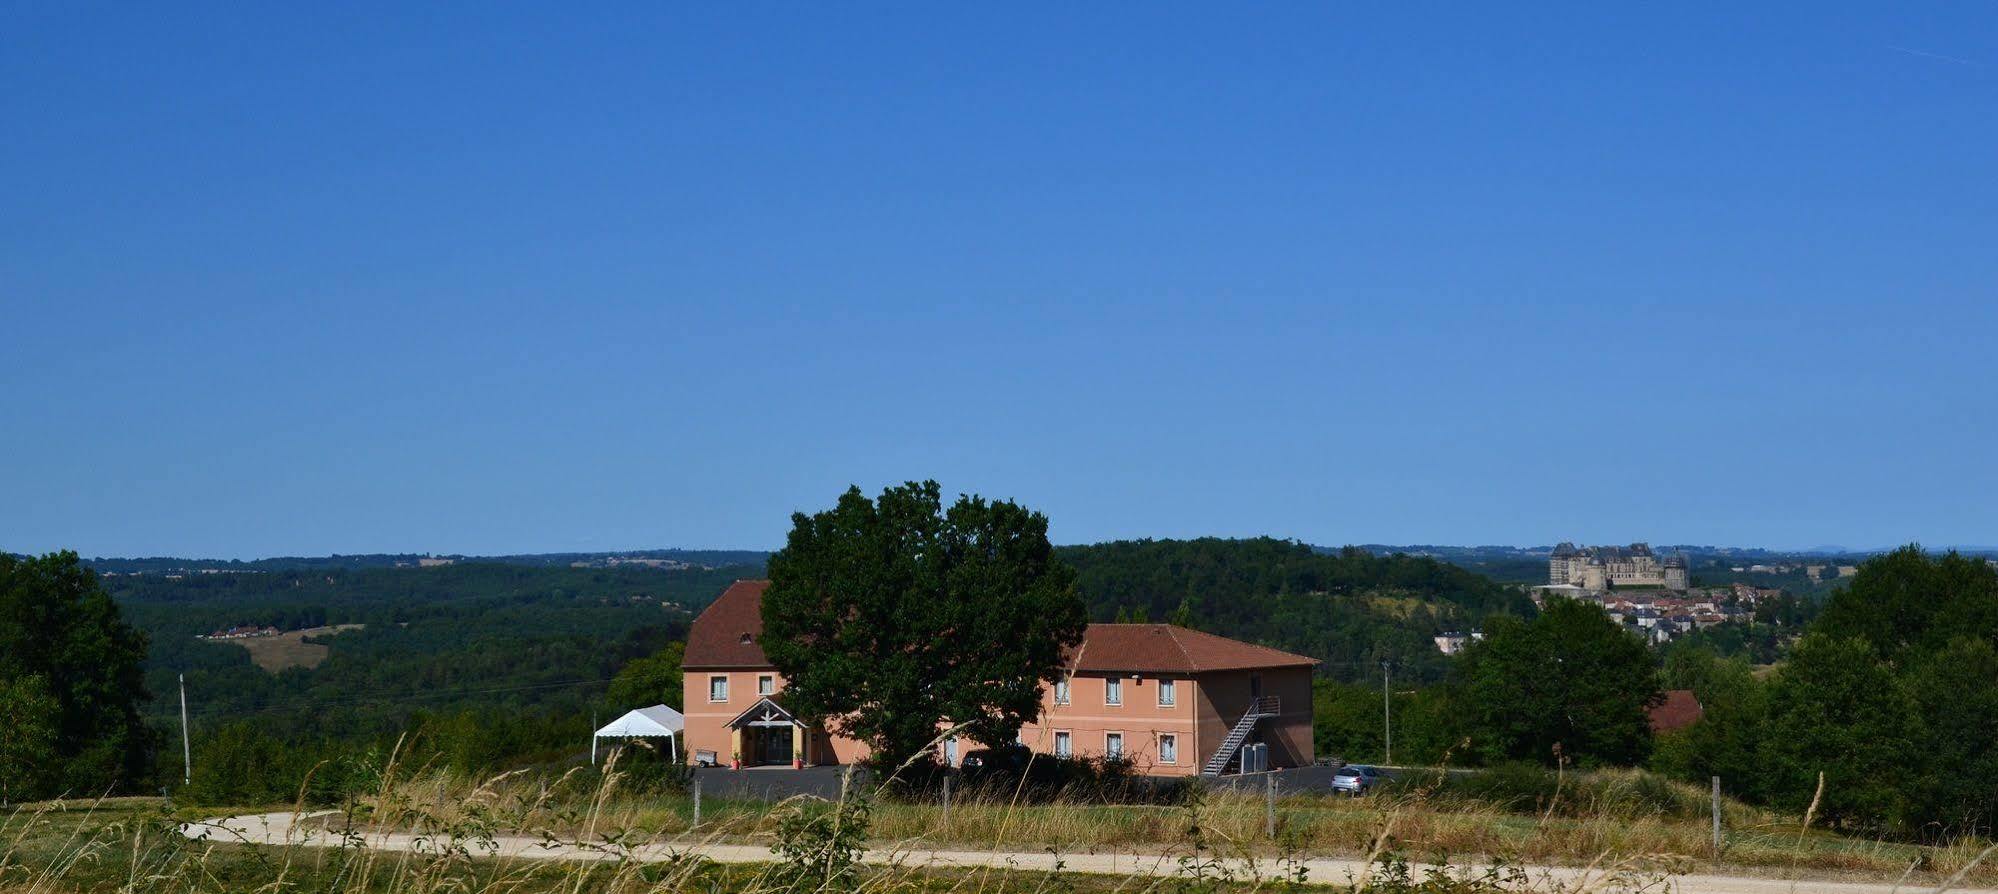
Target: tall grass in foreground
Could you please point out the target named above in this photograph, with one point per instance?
(1509, 814)
(616, 840)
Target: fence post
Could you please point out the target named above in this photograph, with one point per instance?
(1269, 805)
(1717, 818)
(946, 800)
(697, 802)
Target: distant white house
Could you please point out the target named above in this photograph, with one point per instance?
(1453, 642)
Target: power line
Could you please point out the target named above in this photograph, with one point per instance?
(387, 696)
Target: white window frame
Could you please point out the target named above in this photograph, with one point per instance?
(766, 684)
(1168, 754)
(1064, 743)
(1168, 693)
(1113, 691)
(1113, 752)
(712, 680)
(1061, 691)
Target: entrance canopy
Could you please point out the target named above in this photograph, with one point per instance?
(764, 713)
(658, 721)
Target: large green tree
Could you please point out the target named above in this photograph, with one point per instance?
(1907, 602)
(59, 627)
(1956, 692)
(652, 680)
(1569, 683)
(1836, 709)
(28, 746)
(893, 615)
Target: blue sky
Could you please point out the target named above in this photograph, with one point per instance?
(494, 279)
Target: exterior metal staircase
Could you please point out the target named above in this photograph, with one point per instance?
(1259, 708)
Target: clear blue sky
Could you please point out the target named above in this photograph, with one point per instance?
(489, 279)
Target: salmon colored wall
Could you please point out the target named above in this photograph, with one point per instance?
(1203, 711)
(707, 721)
(1088, 718)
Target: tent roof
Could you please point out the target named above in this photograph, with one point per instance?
(657, 720)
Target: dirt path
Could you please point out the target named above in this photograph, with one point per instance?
(284, 828)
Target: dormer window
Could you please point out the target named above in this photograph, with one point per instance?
(745, 639)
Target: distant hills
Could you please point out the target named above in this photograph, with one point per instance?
(660, 558)
(1512, 563)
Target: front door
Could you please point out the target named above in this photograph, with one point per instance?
(776, 744)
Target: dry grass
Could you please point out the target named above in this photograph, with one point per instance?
(1598, 821)
(135, 846)
(139, 849)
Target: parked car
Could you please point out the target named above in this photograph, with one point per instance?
(1009, 760)
(1359, 779)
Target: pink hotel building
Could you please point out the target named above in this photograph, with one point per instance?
(1174, 701)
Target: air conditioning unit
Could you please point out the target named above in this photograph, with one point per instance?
(1255, 758)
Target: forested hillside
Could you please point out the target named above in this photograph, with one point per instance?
(1350, 609)
(486, 660)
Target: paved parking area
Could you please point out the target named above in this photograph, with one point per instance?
(778, 783)
(773, 783)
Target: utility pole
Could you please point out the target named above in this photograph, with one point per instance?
(1387, 717)
(186, 753)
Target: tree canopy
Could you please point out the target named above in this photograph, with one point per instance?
(67, 656)
(652, 680)
(873, 605)
(1907, 602)
(1349, 607)
(1570, 684)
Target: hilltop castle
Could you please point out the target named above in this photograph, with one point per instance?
(1600, 567)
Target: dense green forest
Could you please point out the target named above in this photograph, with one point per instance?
(1351, 609)
(488, 666)
(484, 662)
(488, 663)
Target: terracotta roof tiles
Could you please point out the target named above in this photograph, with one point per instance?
(725, 636)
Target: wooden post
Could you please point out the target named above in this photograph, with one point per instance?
(1269, 805)
(946, 801)
(1717, 814)
(697, 801)
(186, 751)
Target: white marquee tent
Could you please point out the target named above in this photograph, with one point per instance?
(644, 723)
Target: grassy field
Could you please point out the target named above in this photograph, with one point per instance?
(133, 845)
(1625, 817)
(1620, 819)
(289, 649)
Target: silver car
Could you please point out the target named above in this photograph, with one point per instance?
(1359, 779)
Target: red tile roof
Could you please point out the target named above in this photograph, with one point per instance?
(1164, 648)
(725, 635)
(1678, 711)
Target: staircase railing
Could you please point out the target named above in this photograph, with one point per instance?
(1259, 708)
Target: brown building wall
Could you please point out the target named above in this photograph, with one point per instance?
(1224, 698)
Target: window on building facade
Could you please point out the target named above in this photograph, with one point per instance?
(718, 689)
(1113, 745)
(1168, 694)
(1168, 748)
(1061, 692)
(1113, 691)
(766, 685)
(1063, 748)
